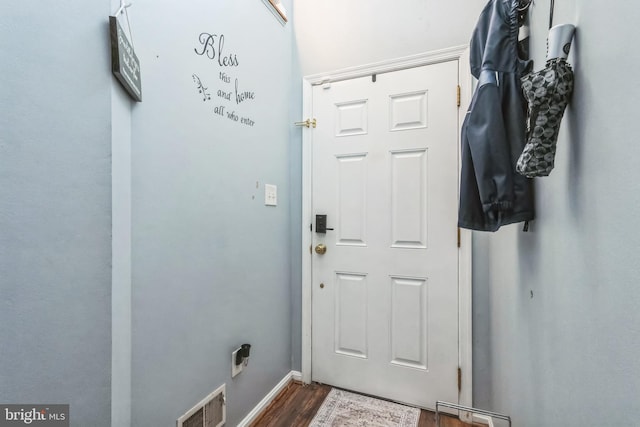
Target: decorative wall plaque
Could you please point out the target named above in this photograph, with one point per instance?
(124, 62)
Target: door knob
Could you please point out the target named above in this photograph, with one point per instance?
(321, 249)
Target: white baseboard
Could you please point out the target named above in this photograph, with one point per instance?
(264, 403)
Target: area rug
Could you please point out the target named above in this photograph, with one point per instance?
(344, 409)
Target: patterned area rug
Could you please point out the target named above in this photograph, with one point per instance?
(343, 409)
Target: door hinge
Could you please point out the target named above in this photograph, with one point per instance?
(459, 237)
(458, 96)
(459, 379)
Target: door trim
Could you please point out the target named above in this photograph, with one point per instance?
(460, 54)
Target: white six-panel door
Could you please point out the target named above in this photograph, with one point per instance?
(385, 293)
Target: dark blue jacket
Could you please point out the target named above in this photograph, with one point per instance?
(492, 193)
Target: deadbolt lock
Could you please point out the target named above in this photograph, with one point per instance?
(321, 249)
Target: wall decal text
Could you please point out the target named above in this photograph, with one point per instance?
(230, 94)
(208, 42)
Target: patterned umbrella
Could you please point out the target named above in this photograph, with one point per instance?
(547, 93)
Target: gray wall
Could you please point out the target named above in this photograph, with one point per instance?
(295, 150)
(211, 263)
(568, 355)
(335, 34)
(121, 106)
(55, 207)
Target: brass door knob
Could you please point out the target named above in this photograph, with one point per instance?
(321, 249)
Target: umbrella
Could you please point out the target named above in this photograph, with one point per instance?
(547, 93)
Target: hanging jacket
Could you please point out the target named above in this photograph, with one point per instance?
(492, 194)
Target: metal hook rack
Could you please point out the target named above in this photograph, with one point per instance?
(522, 8)
(523, 5)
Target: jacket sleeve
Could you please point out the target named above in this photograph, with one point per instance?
(487, 138)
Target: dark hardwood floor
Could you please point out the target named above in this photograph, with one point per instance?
(297, 405)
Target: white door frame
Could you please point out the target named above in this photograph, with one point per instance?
(460, 54)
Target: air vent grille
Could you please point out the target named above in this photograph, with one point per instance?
(214, 412)
(209, 412)
(195, 420)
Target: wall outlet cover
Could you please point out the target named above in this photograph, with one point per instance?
(235, 369)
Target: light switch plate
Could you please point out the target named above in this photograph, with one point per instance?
(270, 195)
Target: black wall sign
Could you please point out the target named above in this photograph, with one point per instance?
(124, 62)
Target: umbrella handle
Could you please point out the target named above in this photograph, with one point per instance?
(559, 41)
